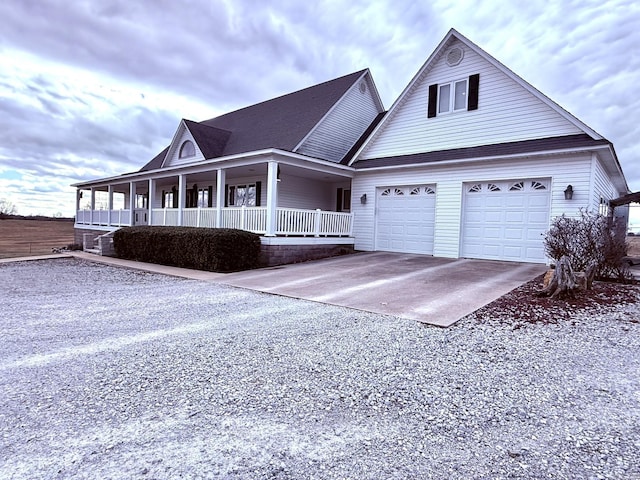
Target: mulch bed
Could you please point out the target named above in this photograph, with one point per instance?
(523, 304)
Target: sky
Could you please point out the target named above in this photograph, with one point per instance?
(93, 89)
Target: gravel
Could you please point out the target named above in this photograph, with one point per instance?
(113, 373)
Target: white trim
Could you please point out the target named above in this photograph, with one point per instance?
(243, 159)
(492, 157)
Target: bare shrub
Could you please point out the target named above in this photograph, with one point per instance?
(590, 239)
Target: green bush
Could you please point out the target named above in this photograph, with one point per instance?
(211, 249)
(590, 239)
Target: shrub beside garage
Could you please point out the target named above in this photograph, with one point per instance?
(210, 249)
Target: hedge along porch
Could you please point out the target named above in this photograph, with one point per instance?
(299, 205)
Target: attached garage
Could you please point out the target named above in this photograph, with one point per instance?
(405, 218)
(505, 220)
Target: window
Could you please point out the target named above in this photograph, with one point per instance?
(246, 194)
(141, 200)
(167, 200)
(452, 96)
(187, 150)
(203, 198)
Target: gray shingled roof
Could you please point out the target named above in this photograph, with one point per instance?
(280, 123)
(483, 151)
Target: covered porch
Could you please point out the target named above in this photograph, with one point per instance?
(288, 196)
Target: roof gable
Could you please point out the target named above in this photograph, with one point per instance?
(173, 155)
(509, 108)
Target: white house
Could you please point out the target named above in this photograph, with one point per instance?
(470, 161)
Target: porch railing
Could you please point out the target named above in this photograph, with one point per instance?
(289, 221)
(117, 218)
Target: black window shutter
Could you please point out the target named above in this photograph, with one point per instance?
(433, 100)
(175, 197)
(258, 193)
(474, 86)
(339, 200)
(210, 197)
(229, 195)
(163, 199)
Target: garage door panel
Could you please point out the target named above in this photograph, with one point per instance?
(538, 200)
(505, 220)
(494, 199)
(405, 219)
(514, 233)
(514, 217)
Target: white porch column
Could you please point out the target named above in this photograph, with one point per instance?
(132, 203)
(151, 196)
(272, 198)
(109, 204)
(221, 180)
(182, 191)
(93, 205)
(78, 196)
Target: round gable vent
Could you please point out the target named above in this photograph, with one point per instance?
(454, 56)
(363, 87)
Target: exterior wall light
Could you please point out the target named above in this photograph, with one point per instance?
(363, 198)
(568, 192)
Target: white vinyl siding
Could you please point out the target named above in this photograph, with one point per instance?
(449, 180)
(343, 126)
(602, 186)
(506, 112)
(298, 192)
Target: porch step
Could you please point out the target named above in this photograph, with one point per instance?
(95, 251)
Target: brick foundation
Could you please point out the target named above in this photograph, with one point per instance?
(272, 255)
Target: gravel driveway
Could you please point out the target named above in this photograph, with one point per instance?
(112, 373)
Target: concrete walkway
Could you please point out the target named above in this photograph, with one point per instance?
(437, 291)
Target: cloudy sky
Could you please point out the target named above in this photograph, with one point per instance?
(96, 88)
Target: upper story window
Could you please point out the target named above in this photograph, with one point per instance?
(452, 96)
(455, 96)
(187, 149)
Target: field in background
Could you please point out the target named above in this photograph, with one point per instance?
(23, 238)
(634, 246)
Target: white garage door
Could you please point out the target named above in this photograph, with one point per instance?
(405, 219)
(506, 220)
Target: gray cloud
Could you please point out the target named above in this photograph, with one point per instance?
(224, 55)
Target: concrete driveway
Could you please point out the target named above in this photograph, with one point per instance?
(438, 291)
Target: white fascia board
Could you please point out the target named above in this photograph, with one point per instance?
(237, 160)
(488, 158)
